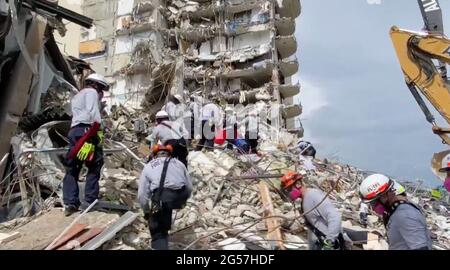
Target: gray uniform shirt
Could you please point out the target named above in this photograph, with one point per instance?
(326, 218)
(171, 109)
(164, 134)
(177, 177)
(85, 107)
(407, 229)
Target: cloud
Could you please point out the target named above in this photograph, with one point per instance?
(355, 102)
(312, 97)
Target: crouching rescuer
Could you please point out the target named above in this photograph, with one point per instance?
(321, 217)
(85, 144)
(405, 223)
(164, 185)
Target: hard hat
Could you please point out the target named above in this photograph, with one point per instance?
(290, 178)
(178, 97)
(399, 189)
(100, 79)
(445, 164)
(374, 186)
(158, 148)
(162, 115)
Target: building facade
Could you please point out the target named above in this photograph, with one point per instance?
(240, 50)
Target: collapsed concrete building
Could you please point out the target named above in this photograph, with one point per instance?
(241, 51)
(37, 81)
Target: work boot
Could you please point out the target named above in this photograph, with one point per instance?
(69, 210)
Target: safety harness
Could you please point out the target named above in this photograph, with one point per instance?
(340, 243)
(156, 198)
(179, 141)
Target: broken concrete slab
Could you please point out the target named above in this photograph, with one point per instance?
(49, 225)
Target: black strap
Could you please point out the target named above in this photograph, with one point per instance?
(321, 236)
(167, 125)
(157, 197)
(171, 128)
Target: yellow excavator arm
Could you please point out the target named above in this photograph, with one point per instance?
(416, 53)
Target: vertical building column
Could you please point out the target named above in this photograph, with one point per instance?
(275, 115)
(222, 34)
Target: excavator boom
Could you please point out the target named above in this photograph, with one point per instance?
(416, 52)
(423, 58)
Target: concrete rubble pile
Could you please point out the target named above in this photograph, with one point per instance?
(37, 82)
(239, 51)
(226, 210)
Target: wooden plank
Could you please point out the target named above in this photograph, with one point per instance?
(83, 238)
(52, 244)
(5, 237)
(72, 232)
(273, 224)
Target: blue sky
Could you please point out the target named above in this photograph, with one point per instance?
(357, 108)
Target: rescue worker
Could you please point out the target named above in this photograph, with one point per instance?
(321, 217)
(172, 106)
(211, 118)
(363, 211)
(399, 189)
(307, 154)
(306, 149)
(251, 123)
(445, 167)
(231, 128)
(405, 223)
(165, 184)
(171, 133)
(85, 144)
(195, 113)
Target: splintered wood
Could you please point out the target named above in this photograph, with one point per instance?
(273, 224)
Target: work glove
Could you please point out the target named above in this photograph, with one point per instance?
(101, 137)
(85, 151)
(329, 244)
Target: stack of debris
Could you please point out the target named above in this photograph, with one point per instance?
(236, 203)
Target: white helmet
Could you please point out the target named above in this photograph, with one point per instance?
(162, 115)
(95, 77)
(178, 97)
(374, 186)
(445, 165)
